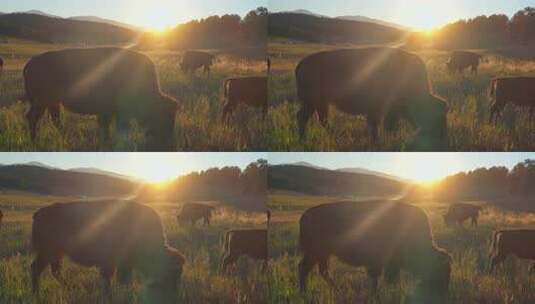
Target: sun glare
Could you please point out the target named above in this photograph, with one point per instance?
(427, 168)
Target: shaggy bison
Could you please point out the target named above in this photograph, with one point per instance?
(458, 213)
(250, 242)
(251, 91)
(193, 60)
(383, 236)
(110, 235)
(192, 212)
(380, 83)
(107, 82)
(519, 91)
(520, 243)
(460, 60)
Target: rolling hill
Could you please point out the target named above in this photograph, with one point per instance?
(313, 181)
(318, 29)
(47, 29)
(49, 181)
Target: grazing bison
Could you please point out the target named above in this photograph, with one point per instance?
(194, 60)
(107, 82)
(192, 212)
(383, 236)
(251, 91)
(380, 83)
(458, 213)
(519, 91)
(249, 242)
(520, 243)
(460, 60)
(110, 235)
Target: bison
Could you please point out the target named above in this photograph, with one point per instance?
(1, 65)
(383, 236)
(112, 236)
(458, 213)
(520, 243)
(268, 65)
(519, 91)
(251, 91)
(192, 212)
(193, 60)
(108, 82)
(383, 84)
(1, 217)
(460, 60)
(249, 242)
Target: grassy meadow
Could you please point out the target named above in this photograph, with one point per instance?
(202, 246)
(469, 247)
(198, 122)
(468, 97)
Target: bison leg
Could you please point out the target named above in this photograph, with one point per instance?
(532, 268)
(229, 259)
(38, 265)
(56, 268)
(495, 260)
(303, 116)
(34, 114)
(531, 110)
(206, 221)
(373, 128)
(474, 221)
(124, 275)
(228, 108)
(55, 114)
(104, 122)
(324, 271)
(305, 266)
(107, 273)
(374, 273)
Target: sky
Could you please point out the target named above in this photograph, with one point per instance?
(420, 167)
(417, 14)
(150, 14)
(151, 167)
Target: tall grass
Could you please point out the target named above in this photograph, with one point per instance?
(198, 123)
(469, 247)
(201, 281)
(467, 95)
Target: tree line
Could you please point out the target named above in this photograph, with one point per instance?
(488, 183)
(488, 31)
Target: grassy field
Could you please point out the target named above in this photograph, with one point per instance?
(470, 282)
(198, 125)
(467, 95)
(201, 280)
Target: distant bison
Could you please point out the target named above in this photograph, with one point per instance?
(520, 243)
(458, 213)
(107, 82)
(251, 91)
(519, 91)
(1, 65)
(1, 217)
(110, 235)
(268, 64)
(249, 242)
(192, 212)
(383, 236)
(194, 60)
(380, 83)
(460, 60)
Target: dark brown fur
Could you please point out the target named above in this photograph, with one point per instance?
(380, 83)
(460, 212)
(460, 60)
(194, 60)
(250, 91)
(249, 242)
(519, 91)
(383, 236)
(107, 82)
(110, 235)
(192, 212)
(520, 243)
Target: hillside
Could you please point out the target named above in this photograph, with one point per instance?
(311, 28)
(58, 30)
(47, 181)
(313, 181)
(106, 21)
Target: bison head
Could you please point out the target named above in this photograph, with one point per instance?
(164, 287)
(434, 287)
(161, 123)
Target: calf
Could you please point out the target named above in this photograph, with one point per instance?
(194, 60)
(249, 242)
(520, 243)
(110, 235)
(458, 213)
(519, 91)
(250, 91)
(192, 212)
(460, 60)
